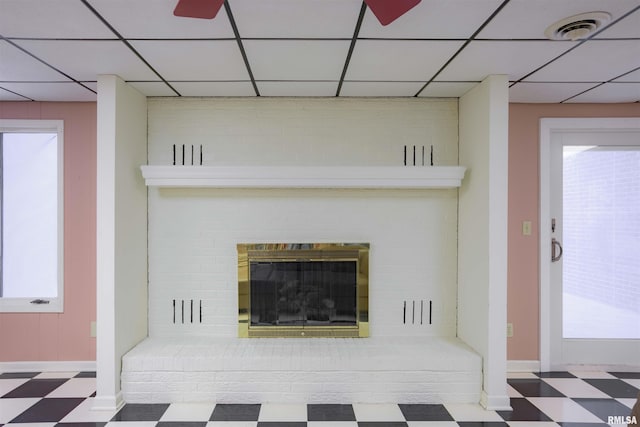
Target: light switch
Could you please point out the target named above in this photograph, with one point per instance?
(526, 228)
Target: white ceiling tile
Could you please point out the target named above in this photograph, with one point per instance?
(350, 88)
(447, 89)
(52, 91)
(596, 60)
(627, 28)
(152, 88)
(545, 92)
(297, 88)
(155, 19)
(393, 60)
(433, 19)
(6, 95)
(611, 92)
(15, 65)
(194, 59)
(527, 19)
(631, 77)
(296, 60)
(482, 58)
(85, 60)
(296, 18)
(214, 88)
(50, 19)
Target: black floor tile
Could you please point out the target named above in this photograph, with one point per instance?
(627, 375)
(555, 374)
(180, 424)
(141, 412)
(422, 412)
(583, 424)
(48, 410)
(235, 412)
(604, 408)
(614, 388)
(534, 388)
(330, 413)
(382, 424)
(523, 410)
(14, 375)
(86, 374)
(36, 388)
(282, 424)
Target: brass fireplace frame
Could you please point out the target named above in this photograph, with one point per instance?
(274, 252)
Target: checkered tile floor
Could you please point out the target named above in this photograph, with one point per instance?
(543, 399)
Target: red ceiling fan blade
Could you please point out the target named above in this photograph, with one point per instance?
(388, 11)
(204, 9)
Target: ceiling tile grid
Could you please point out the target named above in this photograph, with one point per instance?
(440, 48)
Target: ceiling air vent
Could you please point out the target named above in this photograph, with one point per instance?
(577, 27)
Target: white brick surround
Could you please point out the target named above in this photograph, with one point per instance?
(293, 370)
(193, 234)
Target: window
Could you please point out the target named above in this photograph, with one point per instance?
(31, 216)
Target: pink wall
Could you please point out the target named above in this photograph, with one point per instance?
(63, 336)
(523, 278)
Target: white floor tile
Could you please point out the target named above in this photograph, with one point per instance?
(188, 412)
(378, 412)
(563, 410)
(512, 392)
(31, 425)
(633, 381)
(432, 424)
(521, 375)
(6, 385)
(11, 408)
(283, 412)
(232, 424)
(51, 375)
(627, 402)
(471, 412)
(593, 374)
(75, 387)
(84, 413)
(532, 424)
(131, 424)
(575, 387)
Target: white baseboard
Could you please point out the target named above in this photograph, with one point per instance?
(495, 403)
(48, 366)
(523, 366)
(108, 403)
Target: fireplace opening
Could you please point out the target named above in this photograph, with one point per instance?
(303, 290)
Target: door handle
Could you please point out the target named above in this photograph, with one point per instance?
(556, 250)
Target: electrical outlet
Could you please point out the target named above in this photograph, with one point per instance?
(509, 330)
(526, 228)
(93, 329)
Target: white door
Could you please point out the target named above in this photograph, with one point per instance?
(593, 241)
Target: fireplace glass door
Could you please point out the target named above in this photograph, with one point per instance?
(303, 293)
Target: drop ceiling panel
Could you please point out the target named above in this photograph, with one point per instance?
(52, 91)
(50, 19)
(297, 88)
(611, 92)
(627, 28)
(546, 92)
(155, 19)
(350, 88)
(19, 66)
(433, 19)
(6, 95)
(194, 59)
(392, 60)
(296, 60)
(527, 19)
(85, 60)
(593, 61)
(295, 18)
(482, 58)
(633, 77)
(447, 89)
(214, 88)
(157, 88)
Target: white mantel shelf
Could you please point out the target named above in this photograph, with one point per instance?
(374, 177)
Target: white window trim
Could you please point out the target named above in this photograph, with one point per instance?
(55, 305)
